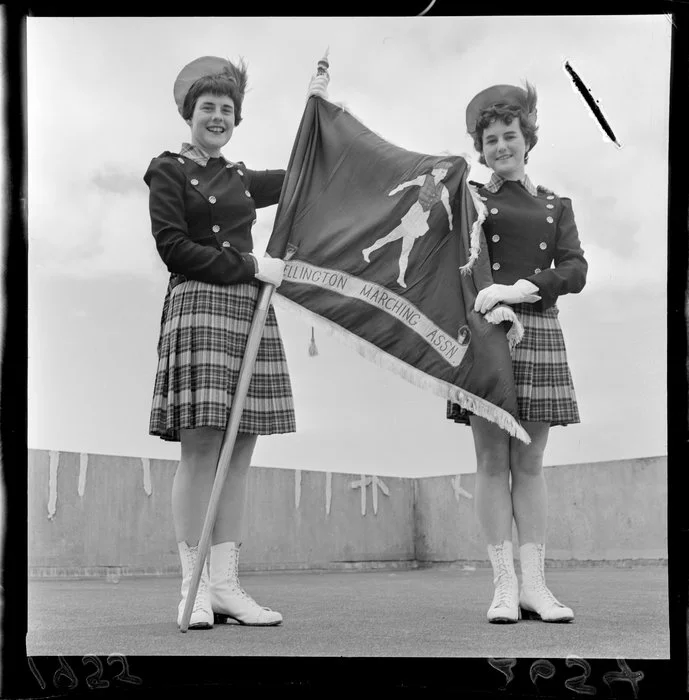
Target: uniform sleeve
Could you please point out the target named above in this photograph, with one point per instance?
(568, 276)
(178, 251)
(265, 186)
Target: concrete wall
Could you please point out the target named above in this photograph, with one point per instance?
(89, 514)
(601, 511)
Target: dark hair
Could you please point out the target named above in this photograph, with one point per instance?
(506, 114)
(217, 85)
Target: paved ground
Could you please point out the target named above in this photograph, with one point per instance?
(438, 612)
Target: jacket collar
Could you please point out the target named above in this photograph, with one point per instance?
(198, 155)
(496, 182)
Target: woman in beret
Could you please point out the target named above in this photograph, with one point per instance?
(536, 257)
(202, 209)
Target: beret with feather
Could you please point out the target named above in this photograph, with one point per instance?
(502, 95)
(209, 66)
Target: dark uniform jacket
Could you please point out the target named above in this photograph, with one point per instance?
(201, 216)
(531, 234)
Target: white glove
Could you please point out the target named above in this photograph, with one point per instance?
(319, 86)
(520, 291)
(270, 270)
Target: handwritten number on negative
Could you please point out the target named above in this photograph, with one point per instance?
(624, 674)
(36, 673)
(65, 671)
(124, 674)
(505, 666)
(93, 680)
(577, 683)
(541, 668)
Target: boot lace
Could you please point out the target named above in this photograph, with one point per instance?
(539, 587)
(201, 596)
(502, 582)
(237, 589)
(202, 591)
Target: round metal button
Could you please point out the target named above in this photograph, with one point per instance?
(549, 219)
(225, 244)
(216, 229)
(542, 245)
(240, 173)
(181, 160)
(550, 196)
(247, 193)
(482, 198)
(496, 266)
(537, 270)
(493, 211)
(194, 182)
(212, 199)
(229, 165)
(495, 238)
(550, 206)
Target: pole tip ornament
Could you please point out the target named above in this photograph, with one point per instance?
(505, 95)
(206, 67)
(323, 63)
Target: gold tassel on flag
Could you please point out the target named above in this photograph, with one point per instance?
(313, 350)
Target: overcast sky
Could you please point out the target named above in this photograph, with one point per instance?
(100, 106)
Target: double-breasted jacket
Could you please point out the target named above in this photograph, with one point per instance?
(201, 216)
(531, 234)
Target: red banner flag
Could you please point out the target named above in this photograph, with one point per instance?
(385, 248)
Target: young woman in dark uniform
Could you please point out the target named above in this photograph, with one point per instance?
(202, 208)
(536, 257)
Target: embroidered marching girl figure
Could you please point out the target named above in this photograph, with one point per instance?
(535, 257)
(202, 209)
(414, 223)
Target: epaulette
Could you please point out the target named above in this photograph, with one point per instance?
(545, 190)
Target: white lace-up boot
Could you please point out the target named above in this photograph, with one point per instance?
(228, 598)
(536, 600)
(201, 613)
(505, 605)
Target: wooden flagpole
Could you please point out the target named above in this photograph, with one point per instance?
(245, 373)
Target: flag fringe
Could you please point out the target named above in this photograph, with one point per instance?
(465, 399)
(501, 313)
(475, 236)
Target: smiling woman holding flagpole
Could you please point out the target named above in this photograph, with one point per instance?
(535, 257)
(202, 208)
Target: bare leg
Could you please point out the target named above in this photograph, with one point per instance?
(492, 499)
(394, 235)
(407, 245)
(530, 504)
(494, 511)
(193, 483)
(230, 521)
(529, 495)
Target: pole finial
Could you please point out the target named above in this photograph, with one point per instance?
(323, 63)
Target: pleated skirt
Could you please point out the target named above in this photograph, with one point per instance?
(203, 336)
(545, 391)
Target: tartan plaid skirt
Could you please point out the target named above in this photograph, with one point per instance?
(545, 391)
(203, 335)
